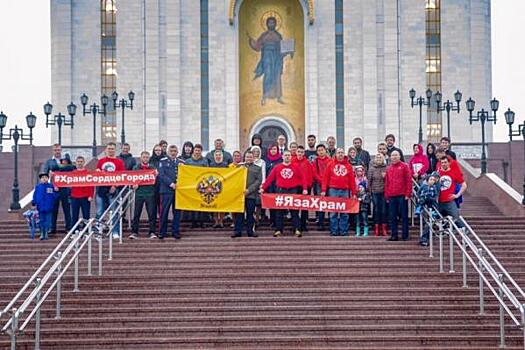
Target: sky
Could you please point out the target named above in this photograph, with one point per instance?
(25, 62)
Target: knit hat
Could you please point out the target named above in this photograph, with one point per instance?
(434, 174)
(362, 183)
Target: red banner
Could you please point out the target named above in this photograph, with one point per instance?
(103, 178)
(306, 202)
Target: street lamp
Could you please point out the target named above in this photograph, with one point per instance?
(93, 110)
(482, 116)
(60, 119)
(509, 119)
(448, 106)
(123, 104)
(16, 134)
(420, 101)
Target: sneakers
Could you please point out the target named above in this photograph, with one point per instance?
(115, 236)
(277, 234)
(235, 235)
(133, 236)
(298, 233)
(152, 236)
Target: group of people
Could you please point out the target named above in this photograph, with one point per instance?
(382, 184)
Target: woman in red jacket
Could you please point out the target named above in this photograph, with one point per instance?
(398, 190)
(339, 181)
(288, 179)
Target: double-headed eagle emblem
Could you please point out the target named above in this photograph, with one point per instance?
(209, 187)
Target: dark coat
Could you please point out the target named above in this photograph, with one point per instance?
(168, 173)
(129, 161)
(253, 180)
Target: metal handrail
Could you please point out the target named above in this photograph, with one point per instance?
(491, 273)
(64, 258)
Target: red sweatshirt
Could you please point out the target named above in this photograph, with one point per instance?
(286, 176)
(306, 170)
(319, 166)
(82, 192)
(398, 180)
(448, 180)
(339, 175)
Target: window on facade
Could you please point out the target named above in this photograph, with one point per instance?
(108, 64)
(433, 64)
(339, 73)
(205, 113)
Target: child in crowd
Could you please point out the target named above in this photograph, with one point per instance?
(376, 176)
(428, 193)
(43, 199)
(364, 206)
(360, 175)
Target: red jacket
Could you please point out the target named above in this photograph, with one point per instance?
(319, 167)
(339, 175)
(286, 176)
(84, 191)
(306, 170)
(398, 180)
(419, 162)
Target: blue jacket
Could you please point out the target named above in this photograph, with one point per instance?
(44, 197)
(168, 172)
(428, 195)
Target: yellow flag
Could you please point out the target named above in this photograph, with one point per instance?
(210, 189)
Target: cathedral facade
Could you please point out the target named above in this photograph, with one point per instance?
(207, 69)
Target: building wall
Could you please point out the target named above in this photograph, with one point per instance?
(158, 57)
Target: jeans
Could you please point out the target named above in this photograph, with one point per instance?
(338, 221)
(45, 222)
(249, 206)
(320, 214)
(451, 209)
(103, 202)
(380, 210)
(362, 219)
(398, 208)
(167, 202)
(304, 215)
(279, 214)
(78, 204)
(62, 199)
(151, 209)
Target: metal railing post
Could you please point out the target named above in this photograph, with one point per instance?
(121, 221)
(431, 237)
(59, 287)
(481, 286)
(523, 323)
(501, 314)
(99, 239)
(441, 270)
(464, 261)
(421, 225)
(37, 315)
(89, 238)
(131, 207)
(14, 328)
(75, 287)
(451, 251)
(110, 255)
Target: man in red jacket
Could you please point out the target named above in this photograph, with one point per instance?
(449, 178)
(81, 197)
(307, 172)
(339, 181)
(319, 166)
(398, 190)
(288, 179)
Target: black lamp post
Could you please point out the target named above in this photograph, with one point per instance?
(16, 134)
(482, 116)
(420, 101)
(93, 110)
(448, 106)
(509, 119)
(60, 119)
(123, 104)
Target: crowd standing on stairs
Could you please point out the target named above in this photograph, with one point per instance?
(382, 184)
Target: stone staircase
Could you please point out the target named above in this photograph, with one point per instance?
(317, 292)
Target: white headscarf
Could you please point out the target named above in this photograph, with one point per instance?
(259, 161)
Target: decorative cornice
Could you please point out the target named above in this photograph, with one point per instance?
(233, 3)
